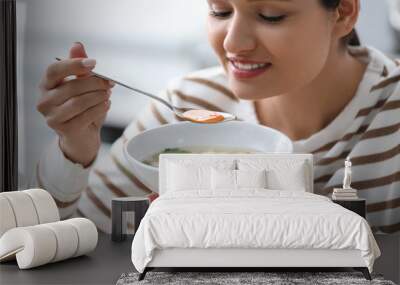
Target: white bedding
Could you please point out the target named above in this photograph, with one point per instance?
(254, 218)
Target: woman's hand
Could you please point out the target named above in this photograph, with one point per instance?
(75, 108)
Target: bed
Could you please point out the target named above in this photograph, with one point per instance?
(247, 211)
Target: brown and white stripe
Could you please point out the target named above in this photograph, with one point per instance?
(371, 138)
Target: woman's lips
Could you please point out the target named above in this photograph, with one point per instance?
(242, 70)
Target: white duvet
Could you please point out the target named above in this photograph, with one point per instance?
(250, 219)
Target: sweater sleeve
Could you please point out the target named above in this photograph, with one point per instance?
(88, 192)
(61, 177)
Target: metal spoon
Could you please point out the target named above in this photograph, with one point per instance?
(179, 111)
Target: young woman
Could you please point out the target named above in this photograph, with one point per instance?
(293, 65)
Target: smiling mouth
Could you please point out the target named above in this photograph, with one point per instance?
(249, 66)
(246, 69)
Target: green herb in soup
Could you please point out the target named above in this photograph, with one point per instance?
(154, 159)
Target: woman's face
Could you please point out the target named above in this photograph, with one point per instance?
(270, 47)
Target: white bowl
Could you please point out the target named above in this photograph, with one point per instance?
(233, 134)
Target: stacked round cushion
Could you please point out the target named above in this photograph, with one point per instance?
(31, 230)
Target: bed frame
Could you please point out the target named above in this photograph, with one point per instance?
(236, 259)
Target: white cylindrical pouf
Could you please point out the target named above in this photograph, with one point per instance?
(87, 234)
(45, 206)
(7, 217)
(23, 207)
(67, 239)
(38, 245)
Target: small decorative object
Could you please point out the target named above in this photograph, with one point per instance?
(347, 174)
(345, 193)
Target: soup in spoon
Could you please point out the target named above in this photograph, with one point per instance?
(203, 116)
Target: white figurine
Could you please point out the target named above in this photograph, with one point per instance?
(345, 193)
(347, 174)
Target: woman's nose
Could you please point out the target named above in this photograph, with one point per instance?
(239, 37)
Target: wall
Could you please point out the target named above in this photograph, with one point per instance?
(129, 39)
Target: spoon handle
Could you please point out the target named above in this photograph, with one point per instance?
(166, 103)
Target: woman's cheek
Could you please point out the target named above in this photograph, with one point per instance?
(300, 60)
(216, 35)
(314, 58)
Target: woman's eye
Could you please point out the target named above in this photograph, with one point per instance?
(219, 14)
(273, 19)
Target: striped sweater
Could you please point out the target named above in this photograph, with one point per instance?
(367, 130)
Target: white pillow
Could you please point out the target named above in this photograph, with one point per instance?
(223, 179)
(290, 179)
(182, 178)
(251, 178)
(192, 174)
(282, 174)
(226, 179)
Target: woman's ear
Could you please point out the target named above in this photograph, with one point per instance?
(346, 17)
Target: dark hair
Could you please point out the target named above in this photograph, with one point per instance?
(352, 38)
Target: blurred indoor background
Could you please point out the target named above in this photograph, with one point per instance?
(144, 43)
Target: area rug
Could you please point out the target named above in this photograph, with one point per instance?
(244, 278)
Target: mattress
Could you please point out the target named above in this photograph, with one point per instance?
(250, 219)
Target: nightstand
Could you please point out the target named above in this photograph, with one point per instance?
(120, 207)
(358, 206)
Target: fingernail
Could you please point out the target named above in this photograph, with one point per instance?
(112, 83)
(108, 91)
(87, 62)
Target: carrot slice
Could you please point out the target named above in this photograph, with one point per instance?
(203, 116)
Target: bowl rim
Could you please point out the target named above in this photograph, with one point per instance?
(148, 167)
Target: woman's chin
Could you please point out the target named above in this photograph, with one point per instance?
(251, 90)
(254, 91)
(251, 94)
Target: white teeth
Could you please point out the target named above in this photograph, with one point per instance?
(248, 66)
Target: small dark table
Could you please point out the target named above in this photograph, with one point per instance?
(104, 265)
(358, 206)
(120, 206)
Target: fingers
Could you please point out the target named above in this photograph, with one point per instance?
(78, 64)
(77, 51)
(77, 105)
(70, 89)
(99, 122)
(83, 120)
(70, 106)
(90, 116)
(59, 70)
